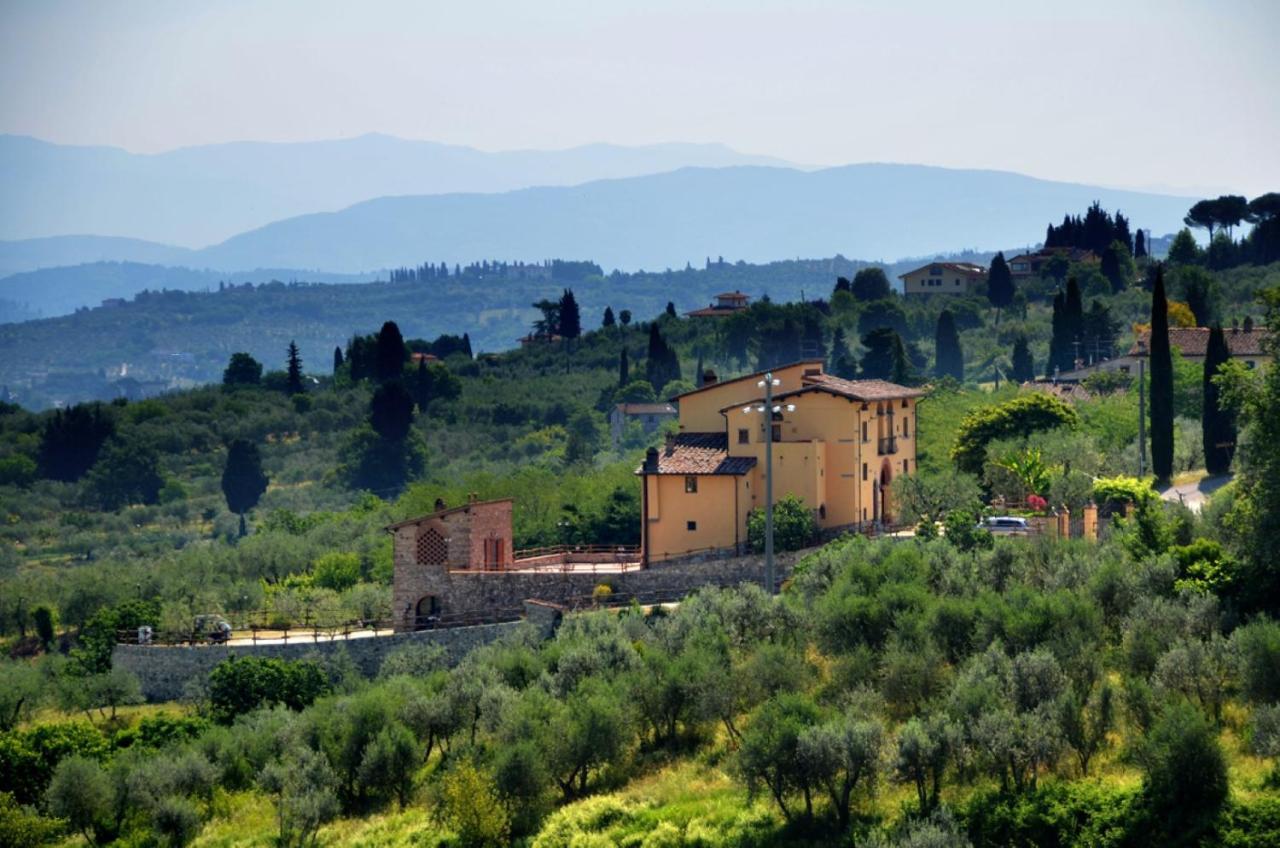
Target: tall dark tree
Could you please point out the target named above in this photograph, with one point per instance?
(1203, 214)
(243, 480)
(1057, 336)
(871, 284)
(1200, 293)
(698, 373)
(948, 356)
(391, 353)
(624, 369)
(1231, 209)
(127, 472)
(466, 345)
(841, 362)
(294, 373)
(1139, 245)
(1218, 423)
(242, 370)
(624, 317)
(999, 284)
(71, 440)
(671, 309)
(662, 365)
(886, 357)
(570, 317)
(608, 320)
(1022, 368)
(1098, 332)
(337, 359)
(391, 411)
(1161, 384)
(1111, 268)
(842, 285)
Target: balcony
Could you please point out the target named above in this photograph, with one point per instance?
(887, 445)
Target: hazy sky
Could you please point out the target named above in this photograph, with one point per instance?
(1161, 94)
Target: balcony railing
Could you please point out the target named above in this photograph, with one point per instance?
(888, 444)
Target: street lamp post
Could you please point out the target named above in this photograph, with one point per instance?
(768, 408)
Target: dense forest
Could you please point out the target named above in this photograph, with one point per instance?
(947, 689)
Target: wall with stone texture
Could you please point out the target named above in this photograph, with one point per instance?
(165, 670)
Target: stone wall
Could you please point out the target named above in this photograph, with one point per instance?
(476, 591)
(165, 670)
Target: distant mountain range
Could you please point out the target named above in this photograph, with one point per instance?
(196, 196)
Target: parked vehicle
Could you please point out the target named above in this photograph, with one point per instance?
(214, 628)
(1007, 525)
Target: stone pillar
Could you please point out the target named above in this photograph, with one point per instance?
(1064, 524)
(1091, 522)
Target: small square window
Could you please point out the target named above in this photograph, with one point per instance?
(777, 432)
(904, 465)
(691, 485)
(691, 525)
(744, 436)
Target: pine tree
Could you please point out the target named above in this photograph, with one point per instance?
(624, 369)
(948, 358)
(294, 379)
(337, 358)
(1161, 384)
(391, 354)
(886, 357)
(999, 284)
(243, 480)
(1023, 369)
(609, 320)
(570, 318)
(1219, 421)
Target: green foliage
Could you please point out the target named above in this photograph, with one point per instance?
(637, 391)
(18, 470)
(242, 370)
(1257, 647)
(1185, 775)
(1161, 384)
(240, 684)
(306, 794)
(336, 570)
(29, 757)
(468, 805)
(71, 440)
(794, 526)
(22, 826)
(243, 480)
(126, 473)
(81, 794)
(1020, 416)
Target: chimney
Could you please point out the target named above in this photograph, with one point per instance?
(709, 378)
(651, 461)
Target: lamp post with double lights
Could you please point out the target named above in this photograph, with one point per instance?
(768, 408)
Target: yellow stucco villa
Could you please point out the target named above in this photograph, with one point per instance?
(838, 450)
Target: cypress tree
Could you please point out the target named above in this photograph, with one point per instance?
(1139, 245)
(466, 345)
(697, 376)
(391, 411)
(294, 380)
(1218, 423)
(948, 356)
(671, 309)
(624, 369)
(609, 320)
(841, 363)
(999, 284)
(1022, 370)
(1057, 333)
(570, 317)
(1161, 384)
(390, 353)
(337, 358)
(243, 480)
(1072, 323)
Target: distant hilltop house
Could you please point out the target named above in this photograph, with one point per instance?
(417, 357)
(943, 278)
(1244, 343)
(726, 303)
(534, 339)
(113, 302)
(838, 451)
(650, 416)
(1032, 264)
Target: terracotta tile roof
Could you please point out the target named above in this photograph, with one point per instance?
(861, 389)
(755, 375)
(443, 512)
(714, 311)
(960, 267)
(1193, 341)
(700, 453)
(733, 295)
(646, 408)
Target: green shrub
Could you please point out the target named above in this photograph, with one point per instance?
(240, 684)
(336, 570)
(22, 826)
(1021, 416)
(468, 804)
(1185, 774)
(794, 526)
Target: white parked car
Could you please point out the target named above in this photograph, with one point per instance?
(1007, 525)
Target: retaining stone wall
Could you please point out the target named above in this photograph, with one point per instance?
(165, 670)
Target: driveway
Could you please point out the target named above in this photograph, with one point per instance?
(1195, 493)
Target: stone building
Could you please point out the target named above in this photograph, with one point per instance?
(474, 536)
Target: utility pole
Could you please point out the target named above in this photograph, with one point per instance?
(769, 579)
(1142, 417)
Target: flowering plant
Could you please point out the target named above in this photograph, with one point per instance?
(1036, 503)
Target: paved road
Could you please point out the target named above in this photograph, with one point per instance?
(1194, 494)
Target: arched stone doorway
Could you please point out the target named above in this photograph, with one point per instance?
(886, 498)
(427, 612)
